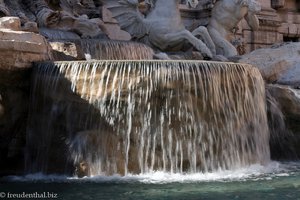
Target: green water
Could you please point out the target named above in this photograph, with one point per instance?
(254, 183)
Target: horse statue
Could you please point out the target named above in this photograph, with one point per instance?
(226, 14)
(162, 27)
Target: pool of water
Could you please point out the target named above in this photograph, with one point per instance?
(274, 181)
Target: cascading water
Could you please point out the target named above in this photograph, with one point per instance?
(116, 50)
(142, 116)
(105, 50)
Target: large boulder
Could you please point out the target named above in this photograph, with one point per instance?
(12, 23)
(278, 64)
(18, 49)
(288, 101)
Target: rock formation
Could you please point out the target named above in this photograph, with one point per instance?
(280, 67)
(18, 49)
(279, 64)
(288, 139)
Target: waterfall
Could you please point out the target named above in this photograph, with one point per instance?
(101, 50)
(141, 116)
(117, 50)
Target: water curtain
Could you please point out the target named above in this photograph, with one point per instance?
(142, 116)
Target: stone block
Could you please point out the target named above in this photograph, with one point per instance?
(19, 49)
(12, 23)
(107, 16)
(290, 29)
(115, 33)
(261, 37)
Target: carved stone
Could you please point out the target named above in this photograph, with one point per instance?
(162, 28)
(12, 23)
(225, 18)
(19, 49)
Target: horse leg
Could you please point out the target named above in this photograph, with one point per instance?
(223, 47)
(203, 33)
(185, 34)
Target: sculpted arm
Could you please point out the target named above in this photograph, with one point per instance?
(252, 21)
(254, 7)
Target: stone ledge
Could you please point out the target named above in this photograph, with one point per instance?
(18, 49)
(22, 36)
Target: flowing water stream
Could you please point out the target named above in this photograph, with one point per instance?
(143, 116)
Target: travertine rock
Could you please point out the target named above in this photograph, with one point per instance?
(289, 99)
(30, 27)
(12, 23)
(19, 49)
(289, 103)
(113, 30)
(278, 64)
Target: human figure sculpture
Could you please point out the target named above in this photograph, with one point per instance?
(226, 14)
(55, 15)
(162, 28)
(46, 17)
(80, 7)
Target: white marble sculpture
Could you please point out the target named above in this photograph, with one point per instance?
(162, 28)
(226, 14)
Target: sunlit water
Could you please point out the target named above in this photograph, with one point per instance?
(274, 181)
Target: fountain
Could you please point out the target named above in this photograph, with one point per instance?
(133, 100)
(121, 112)
(142, 116)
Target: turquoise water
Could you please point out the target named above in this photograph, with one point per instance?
(275, 181)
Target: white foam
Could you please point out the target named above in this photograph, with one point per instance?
(253, 172)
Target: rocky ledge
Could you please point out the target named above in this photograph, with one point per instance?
(280, 67)
(18, 49)
(278, 64)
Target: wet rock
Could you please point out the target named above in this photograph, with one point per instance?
(82, 170)
(1, 111)
(14, 98)
(30, 27)
(278, 64)
(289, 103)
